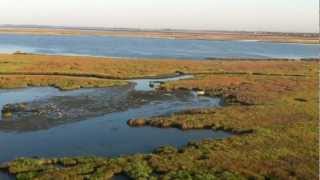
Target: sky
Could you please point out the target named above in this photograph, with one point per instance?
(248, 15)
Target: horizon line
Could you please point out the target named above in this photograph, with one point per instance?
(103, 28)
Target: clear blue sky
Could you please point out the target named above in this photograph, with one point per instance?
(265, 15)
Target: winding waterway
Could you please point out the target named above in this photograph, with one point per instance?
(103, 135)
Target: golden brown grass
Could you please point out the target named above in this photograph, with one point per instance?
(279, 111)
(60, 82)
(129, 68)
(71, 67)
(283, 117)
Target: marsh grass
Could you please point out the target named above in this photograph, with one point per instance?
(281, 139)
(60, 82)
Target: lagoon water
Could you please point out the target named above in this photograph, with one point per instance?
(152, 48)
(32, 94)
(106, 135)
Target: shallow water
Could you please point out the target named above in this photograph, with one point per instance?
(152, 48)
(144, 84)
(5, 176)
(33, 94)
(107, 135)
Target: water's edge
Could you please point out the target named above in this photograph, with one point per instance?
(152, 48)
(103, 135)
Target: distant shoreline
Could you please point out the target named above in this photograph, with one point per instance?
(161, 59)
(301, 38)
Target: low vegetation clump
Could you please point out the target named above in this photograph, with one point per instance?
(272, 107)
(139, 170)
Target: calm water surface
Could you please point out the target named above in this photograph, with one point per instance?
(32, 94)
(152, 48)
(106, 135)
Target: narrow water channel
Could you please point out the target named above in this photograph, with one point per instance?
(103, 134)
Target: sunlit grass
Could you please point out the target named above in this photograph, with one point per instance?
(60, 82)
(273, 113)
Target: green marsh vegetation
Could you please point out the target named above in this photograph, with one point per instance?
(272, 106)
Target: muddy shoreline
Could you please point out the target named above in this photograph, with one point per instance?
(106, 110)
(43, 114)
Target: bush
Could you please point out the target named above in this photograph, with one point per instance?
(139, 170)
